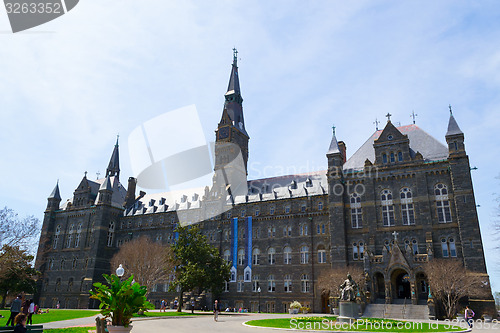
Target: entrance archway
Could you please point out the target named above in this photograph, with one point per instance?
(401, 283)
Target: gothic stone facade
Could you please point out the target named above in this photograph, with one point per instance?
(401, 200)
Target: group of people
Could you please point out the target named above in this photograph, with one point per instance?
(21, 313)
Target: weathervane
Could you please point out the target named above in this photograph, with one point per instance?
(451, 112)
(333, 128)
(235, 54)
(376, 122)
(413, 115)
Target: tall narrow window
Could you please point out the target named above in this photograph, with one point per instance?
(111, 233)
(304, 255)
(453, 249)
(69, 239)
(271, 284)
(78, 235)
(444, 247)
(255, 283)
(56, 237)
(407, 212)
(356, 213)
(227, 256)
(387, 208)
(392, 158)
(287, 284)
(304, 283)
(384, 158)
(355, 251)
(321, 254)
(442, 203)
(287, 255)
(271, 256)
(414, 245)
(241, 257)
(239, 285)
(256, 257)
(361, 250)
(400, 156)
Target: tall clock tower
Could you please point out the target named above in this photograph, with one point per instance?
(231, 136)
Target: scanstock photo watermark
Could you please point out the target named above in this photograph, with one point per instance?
(388, 325)
(26, 14)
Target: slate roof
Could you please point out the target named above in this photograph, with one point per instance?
(453, 128)
(119, 192)
(430, 148)
(55, 193)
(334, 146)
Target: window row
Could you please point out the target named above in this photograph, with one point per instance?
(272, 210)
(258, 258)
(270, 284)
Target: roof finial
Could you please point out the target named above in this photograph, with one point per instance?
(333, 128)
(413, 115)
(117, 137)
(98, 174)
(235, 55)
(451, 112)
(376, 122)
(388, 115)
(85, 174)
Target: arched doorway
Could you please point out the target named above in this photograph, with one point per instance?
(379, 286)
(325, 301)
(422, 287)
(401, 283)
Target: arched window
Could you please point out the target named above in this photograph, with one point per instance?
(58, 284)
(271, 284)
(241, 257)
(453, 249)
(69, 239)
(78, 234)
(304, 283)
(62, 264)
(356, 213)
(320, 205)
(384, 158)
(444, 247)
(442, 203)
(303, 229)
(271, 256)
(387, 208)
(393, 159)
(287, 283)
(361, 250)
(400, 156)
(304, 255)
(355, 251)
(255, 257)
(287, 255)
(82, 284)
(255, 283)
(75, 261)
(70, 284)
(407, 212)
(239, 285)
(56, 236)
(227, 256)
(111, 233)
(321, 254)
(448, 247)
(414, 245)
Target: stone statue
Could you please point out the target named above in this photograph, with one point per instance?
(348, 289)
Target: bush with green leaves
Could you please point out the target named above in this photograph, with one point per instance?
(121, 299)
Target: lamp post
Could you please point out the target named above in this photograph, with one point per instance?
(258, 292)
(120, 271)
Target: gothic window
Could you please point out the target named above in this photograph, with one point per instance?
(243, 212)
(226, 235)
(448, 247)
(62, 264)
(442, 203)
(271, 256)
(414, 245)
(358, 250)
(111, 233)
(407, 211)
(386, 244)
(241, 257)
(288, 283)
(393, 159)
(320, 205)
(257, 212)
(287, 209)
(70, 284)
(239, 285)
(271, 210)
(321, 254)
(444, 247)
(287, 255)
(361, 250)
(56, 236)
(78, 235)
(384, 158)
(69, 239)
(75, 261)
(453, 249)
(400, 156)
(323, 228)
(82, 284)
(304, 255)
(387, 208)
(304, 283)
(51, 263)
(256, 257)
(58, 284)
(255, 283)
(46, 285)
(356, 213)
(226, 286)
(303, 229)
(228, 215)
(285, 231)
(303, 208)
(271, 284)
(355, 251)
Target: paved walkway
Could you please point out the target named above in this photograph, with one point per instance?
(228, 323)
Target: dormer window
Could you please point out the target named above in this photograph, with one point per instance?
(390, 137)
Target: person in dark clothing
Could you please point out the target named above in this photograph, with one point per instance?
(20, 321)
(15, 308)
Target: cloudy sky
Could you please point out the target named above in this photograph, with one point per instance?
(68, 87)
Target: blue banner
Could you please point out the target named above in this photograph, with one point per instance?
(235, 241)
(249, 241)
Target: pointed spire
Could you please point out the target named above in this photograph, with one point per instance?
(234, 80)
(334, 145)
(106, 185)
(234, 102)
(114, 163)
(55, 193)
(453, 128)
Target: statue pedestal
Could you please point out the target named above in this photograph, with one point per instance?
(349, 311)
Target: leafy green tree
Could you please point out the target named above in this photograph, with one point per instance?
(198, 265)
(16, 272)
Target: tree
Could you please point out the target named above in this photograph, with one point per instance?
(148, 261)
(450, 281)
(16, 272)
(15, 231)
(197, 264)
(330, 280)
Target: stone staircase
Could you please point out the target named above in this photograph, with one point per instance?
(396, 311)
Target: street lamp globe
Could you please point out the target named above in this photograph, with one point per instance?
(120, 271)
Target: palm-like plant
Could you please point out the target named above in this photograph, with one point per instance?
(121, 299)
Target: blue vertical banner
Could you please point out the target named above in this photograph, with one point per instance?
(249, 241)
(176, 234)
(234, 241)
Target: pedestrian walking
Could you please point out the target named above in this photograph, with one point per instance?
(15, 308)
(192, 306)
(216, 310)
(31, 311)
(469, 316)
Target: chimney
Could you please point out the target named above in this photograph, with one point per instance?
(343, 149)
(130, 197)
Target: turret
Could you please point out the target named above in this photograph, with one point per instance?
(454, 138)
(54, 199)
(114, 163)
(105, 192)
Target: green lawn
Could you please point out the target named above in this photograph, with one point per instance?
(329, 323)
(53, 315)
(70, 330)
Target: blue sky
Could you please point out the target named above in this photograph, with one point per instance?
(69, 87)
